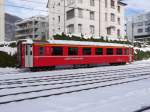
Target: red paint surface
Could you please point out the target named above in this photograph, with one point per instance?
(48, 60)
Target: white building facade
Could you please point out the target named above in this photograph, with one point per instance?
(90, 18)
(2, 21)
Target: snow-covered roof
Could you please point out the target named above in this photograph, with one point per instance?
(69, 42)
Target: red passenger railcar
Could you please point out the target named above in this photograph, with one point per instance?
(34, 54)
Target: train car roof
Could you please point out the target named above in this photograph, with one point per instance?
(70, 42)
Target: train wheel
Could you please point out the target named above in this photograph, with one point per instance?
(52, 68)
(34, 69)
(123, 63)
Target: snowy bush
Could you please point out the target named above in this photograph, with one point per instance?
(141, 55)
(92, 39)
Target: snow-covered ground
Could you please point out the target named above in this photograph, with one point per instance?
(127, 97)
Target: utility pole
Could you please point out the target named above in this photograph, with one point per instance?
(65, 16)
(2, 21)
(99, 18)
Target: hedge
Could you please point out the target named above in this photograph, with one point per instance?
(76, 38)
(7, 60)
(141, 55)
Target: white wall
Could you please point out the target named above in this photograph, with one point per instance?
(85, 21)
(2, 23)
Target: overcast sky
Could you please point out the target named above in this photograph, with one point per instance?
(133, 7)
(27, 8)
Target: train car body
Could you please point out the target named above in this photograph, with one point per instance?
(59, 53)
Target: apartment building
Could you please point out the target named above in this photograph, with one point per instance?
(138, 27)
(2, 22)
(35, 28)
(90, 18)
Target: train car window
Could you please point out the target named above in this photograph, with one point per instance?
(57, 51)
(30, 50)
(109, 51)
(119, 51)
(72, 51)
(126, 51)
(99, 51)
(41, 50)
(86, 51)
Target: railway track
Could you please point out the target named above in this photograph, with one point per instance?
(94, 80)
(27, 71)
(55, 77)
(74, 78)
(70, 85)
(40, 86)
(67, 92)
(144, 109)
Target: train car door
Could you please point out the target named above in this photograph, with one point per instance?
(28, 56)
(19, 54)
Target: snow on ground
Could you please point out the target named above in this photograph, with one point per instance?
(121, 98)
(8, 50)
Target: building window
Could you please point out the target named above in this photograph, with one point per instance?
(59, 29)
(108, 31)
(147, 29)
(80, 13)
(80, 28)
(112, 17)
(41, 51)
(57, 51)
(70, 14)
(106, 18)
(147, 23)
(109, 51)
(86, 51)
(118, 33)
(69, 2)
(119, 9)
(80, 1)
(119, 21)
(119, 51)
(99, 51)
(70, 28)
(112, 4)
(72, 51)
(139, 24)
(140, 30)
(106, 2)
(58, 19)
(92, 29)
(92, 2)
(58, 4)
(92, 15)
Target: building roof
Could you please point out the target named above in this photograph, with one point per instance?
(121, 2)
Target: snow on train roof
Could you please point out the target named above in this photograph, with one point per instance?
(70, 42)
